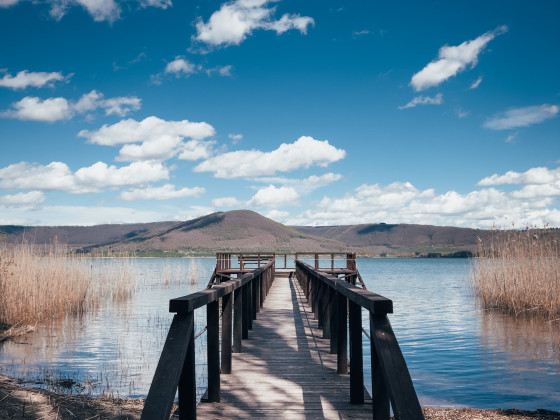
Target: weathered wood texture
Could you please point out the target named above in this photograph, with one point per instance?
(286, 369)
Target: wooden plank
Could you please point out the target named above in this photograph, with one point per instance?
(285, 370)
(395, 372)
(166, 378)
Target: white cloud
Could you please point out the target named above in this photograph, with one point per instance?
(521, 117)
(534, 176)
(32, 108)
(237, 19)
(162, 4)
(159, 139)
(8, 3)
(476, 83)
(100, 10)
(305, 185)
(278, 215)
(511, 137)
(272, 196)
(226, 202)
(236, 138)
(180, 67)
(25, 79)
(304, 152)
(29, 199)
(79, 216)
(403, 203)
(164, 192)
(453, 60)
(94, 178)
(424, 100)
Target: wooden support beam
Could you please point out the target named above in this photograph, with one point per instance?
(213, 350)
(226, 333)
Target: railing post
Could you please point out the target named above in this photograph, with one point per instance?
(356, 354)
(380, 398)
(237, 320)
(254, 305)
(213, 350)
(261, 290)
(226, 333)
(187, 381)
(342, 349)
(320, 304)
(333, 321)
(246, 312)
(327, 320)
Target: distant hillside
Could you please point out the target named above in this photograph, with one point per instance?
(239, 230)
(244, 230)
(381, 234)
(79, 236)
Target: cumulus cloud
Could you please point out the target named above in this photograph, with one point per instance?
(272, 196)
(165, 192)
(522, 117)
(401, 202)
(32, 108)
(237, 19)
(304, 152)
(180, 67)
(159, 139)
(29, 199)
(305, 185)
(534, 176)
(100, 10)
(424, 100)
(453, 60)
(25, 79)
(90, 179)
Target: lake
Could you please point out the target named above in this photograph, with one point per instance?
(458, 355)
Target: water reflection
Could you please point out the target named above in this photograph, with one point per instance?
(457, 354)
(116, 349)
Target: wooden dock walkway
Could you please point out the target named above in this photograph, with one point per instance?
(280, 347)
(286, 369)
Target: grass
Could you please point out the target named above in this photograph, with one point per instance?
(38, 283)
(519, 272)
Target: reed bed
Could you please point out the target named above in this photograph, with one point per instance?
(38, 283)
(519, 272)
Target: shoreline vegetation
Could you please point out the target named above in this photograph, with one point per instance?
(21, 402)
(46, 282)
(518, 272)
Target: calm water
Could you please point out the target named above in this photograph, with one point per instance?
(457, 354)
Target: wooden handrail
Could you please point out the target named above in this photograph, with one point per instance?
(176, 366)
(336, 304)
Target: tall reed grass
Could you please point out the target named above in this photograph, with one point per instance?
(519, 272)
(38, 283)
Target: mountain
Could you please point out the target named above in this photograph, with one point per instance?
(238, 230)
(387, 235)
(79, 236)
(247, 231)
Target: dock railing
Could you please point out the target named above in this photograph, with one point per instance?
(337, 305)
(241, 299)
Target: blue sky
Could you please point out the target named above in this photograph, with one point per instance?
(311, 113)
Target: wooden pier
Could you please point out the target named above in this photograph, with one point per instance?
(284, 350)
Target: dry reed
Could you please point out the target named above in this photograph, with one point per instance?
(519, 272)
(38, 283)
